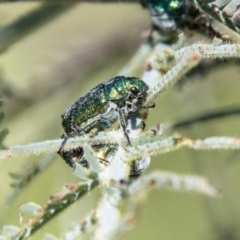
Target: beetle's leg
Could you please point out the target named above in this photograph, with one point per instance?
(138, 166)
(80, 158)
(63, 143)
(67, 156)
(129, 107)
(73, 156)
(93, 132)
(109, 151)
(103, 161)
(123, 124)
(143, 125)
(149, 106)
(105, 123)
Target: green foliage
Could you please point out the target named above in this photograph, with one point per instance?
(4, 132)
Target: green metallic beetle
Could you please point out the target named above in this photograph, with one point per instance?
(99, 108)
(167, 14)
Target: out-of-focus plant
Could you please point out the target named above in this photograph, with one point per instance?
(167, 60)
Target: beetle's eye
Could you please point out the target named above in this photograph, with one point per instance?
(129, 105)
(134, 91)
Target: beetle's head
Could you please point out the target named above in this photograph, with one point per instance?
(137, 90)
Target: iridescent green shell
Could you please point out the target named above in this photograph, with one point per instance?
(97, 108)
(173, 8)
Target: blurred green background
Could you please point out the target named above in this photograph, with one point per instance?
(45, 69)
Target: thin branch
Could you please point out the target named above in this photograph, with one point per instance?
(54, 145)
(208, 116)
(146, 144)
(57, 203)
(172, 181)
(184, 65)
(30, 22)
(186, 59)
(215, 143)
(112, 222)
(210, 51)
(78, 229)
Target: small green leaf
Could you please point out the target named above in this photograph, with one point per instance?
(81, 172)
(30, 208)
(91, 158)
(15, 175)
(9, 231)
